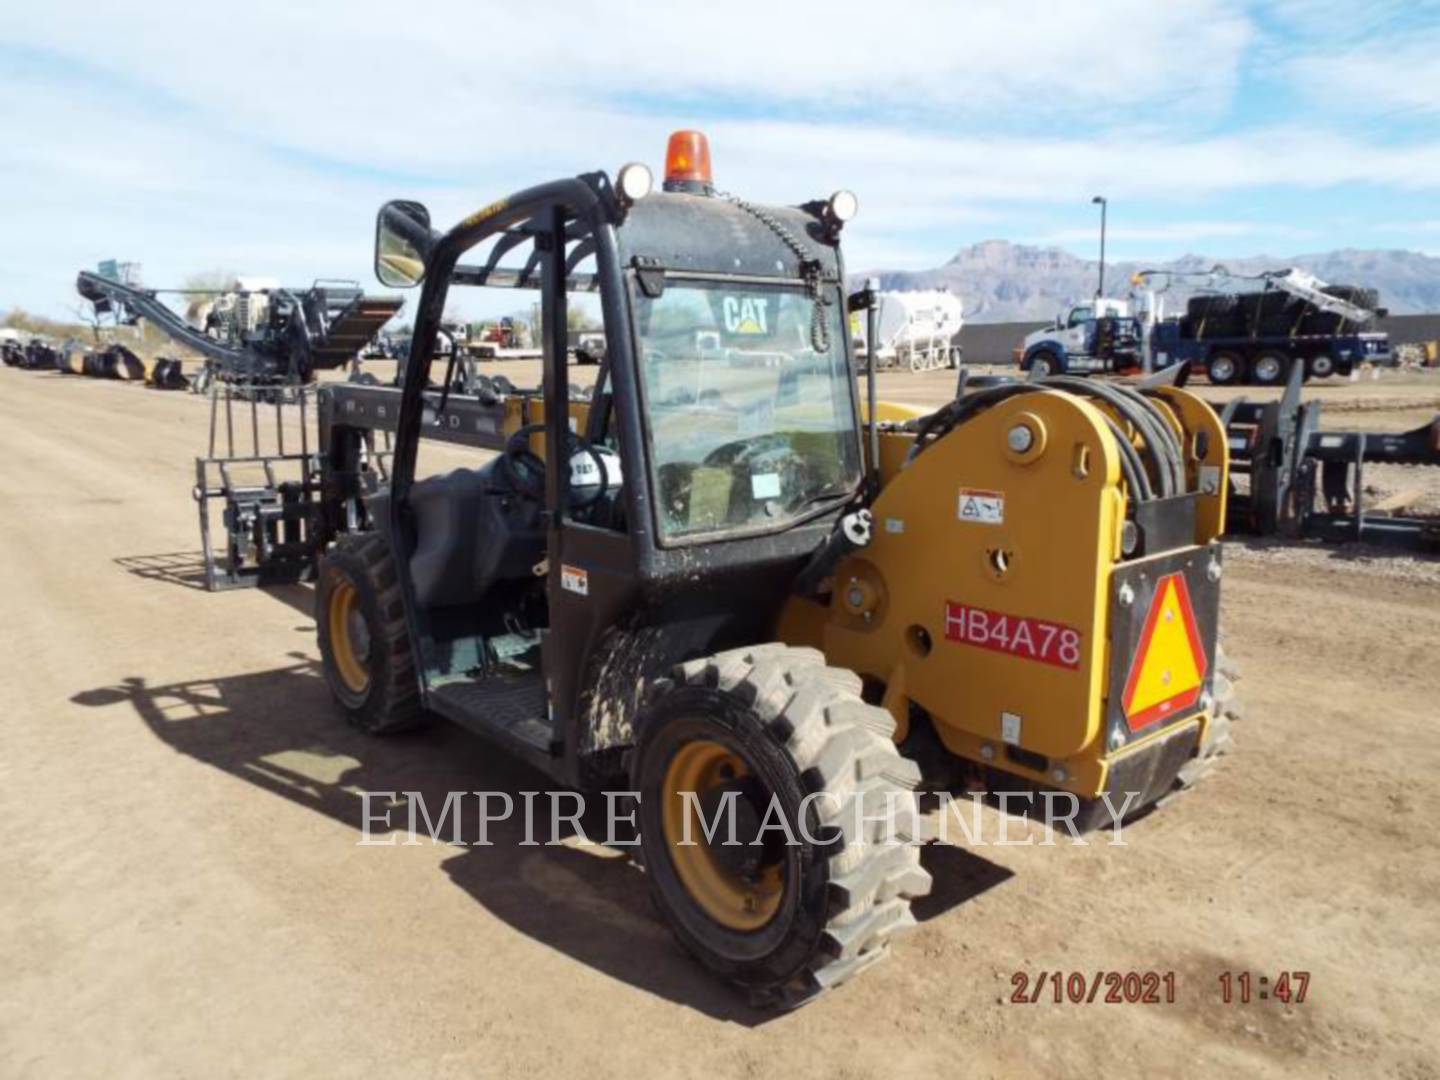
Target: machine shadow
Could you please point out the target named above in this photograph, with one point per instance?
(183, 568)
(186, 570)
(281, 731)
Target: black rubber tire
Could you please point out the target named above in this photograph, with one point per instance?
(802, 728)
(1047, 358)
(1271, 367)
(1211, 305)
(1320, 366)
(1321, 323)
(391, 700)
(1216, 373)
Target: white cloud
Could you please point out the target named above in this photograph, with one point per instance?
(1183, 232)
(1379, 59)
(338, 78)
(264, 141)
(1399, 77)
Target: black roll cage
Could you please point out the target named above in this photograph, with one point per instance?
(585, 199)
(647, 605)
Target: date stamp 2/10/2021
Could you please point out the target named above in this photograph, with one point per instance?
(1153, 987)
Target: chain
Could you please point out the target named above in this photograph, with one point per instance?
(809, 268)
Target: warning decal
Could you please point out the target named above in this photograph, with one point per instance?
(984, 507)
(1168, 670)
(575, 579)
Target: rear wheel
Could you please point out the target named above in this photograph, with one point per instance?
(1321, 366)
(1217, 741)
(769, 748)
(1270, 368)
(1224, 368)
(364, 643)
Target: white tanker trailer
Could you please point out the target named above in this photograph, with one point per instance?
(918, 329)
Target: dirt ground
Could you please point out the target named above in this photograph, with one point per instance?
(184, 893)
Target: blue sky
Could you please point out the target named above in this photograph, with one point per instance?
(262, 138)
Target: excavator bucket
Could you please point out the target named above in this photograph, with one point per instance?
(167, 374)
(124, 364)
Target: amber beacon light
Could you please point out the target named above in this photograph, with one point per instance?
(687, 163)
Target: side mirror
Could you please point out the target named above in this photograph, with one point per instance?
(402, 239)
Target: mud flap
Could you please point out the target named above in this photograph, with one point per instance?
(1140, 778)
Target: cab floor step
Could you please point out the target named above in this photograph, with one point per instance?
(516, 705)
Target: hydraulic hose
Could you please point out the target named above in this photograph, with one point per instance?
(1160, 445)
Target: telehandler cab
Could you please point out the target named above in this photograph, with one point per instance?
(713, 581)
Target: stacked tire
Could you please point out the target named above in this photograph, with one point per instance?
(1214, 316)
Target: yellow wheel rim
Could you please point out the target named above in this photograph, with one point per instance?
(352, 667)
(730, 898)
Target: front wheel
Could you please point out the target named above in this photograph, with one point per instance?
(1045, 363)
(364, 642)
(777, 820)
(1321, 366)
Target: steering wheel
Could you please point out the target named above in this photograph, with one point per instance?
(742, 450)
(526, 469)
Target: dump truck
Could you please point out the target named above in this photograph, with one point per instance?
(729, 583)
(1254, 337)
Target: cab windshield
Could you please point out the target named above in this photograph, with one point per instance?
(750, 425)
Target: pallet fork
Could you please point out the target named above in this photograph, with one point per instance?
(1308, 483)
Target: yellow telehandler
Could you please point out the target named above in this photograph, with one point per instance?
(729, 580)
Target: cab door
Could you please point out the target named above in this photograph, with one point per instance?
(1078, 329)
(591, 545)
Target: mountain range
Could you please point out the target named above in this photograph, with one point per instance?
(1003, 282)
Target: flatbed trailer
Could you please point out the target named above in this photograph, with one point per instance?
(1266, 360)
(486, 350)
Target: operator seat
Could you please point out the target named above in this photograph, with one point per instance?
(472, 529)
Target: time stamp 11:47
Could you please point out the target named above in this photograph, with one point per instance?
(1152, 987)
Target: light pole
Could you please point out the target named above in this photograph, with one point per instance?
(1104, 204)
